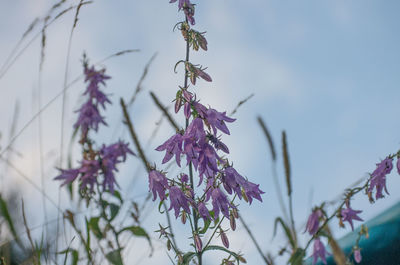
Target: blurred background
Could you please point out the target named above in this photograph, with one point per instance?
(326, 72)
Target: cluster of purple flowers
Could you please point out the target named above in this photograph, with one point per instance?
(200, 143)
(89, 114)
(188, 9)
(377, 183)
(95, 163)
(200, 147)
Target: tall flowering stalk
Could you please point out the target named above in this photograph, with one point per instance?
(209, 197)
(96, 175)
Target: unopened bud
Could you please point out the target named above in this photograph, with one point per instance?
(371, 199)
(242, 259)
(341, 224)
(178, 104)
(232, 221)
(169, 245)
(224, 239)
(183, 217)
(199, 244)
(235, 213)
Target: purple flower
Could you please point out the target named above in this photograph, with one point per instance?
(158, 183)
(68, 175)
(181, 3)
(349, 215)
(178, 200)
(203, 211)
(220, 203)
(319, 251)
(173, 146)
(95, 78)
(184, 178)
(89, 170)
(207, 160)
(201, 109)
(193, 138)
(398, 165)
(217, 143)
(110, 156)
(357, 255)
(89, 117)
(313, 221)
(217, 120)
(378, 179)
(232, 180)
(189, 13)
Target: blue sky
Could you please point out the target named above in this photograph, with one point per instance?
(327, 72)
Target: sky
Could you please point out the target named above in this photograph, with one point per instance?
(326, 72)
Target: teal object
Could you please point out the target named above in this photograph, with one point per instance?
(383, 245)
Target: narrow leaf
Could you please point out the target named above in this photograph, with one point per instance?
(279, 220)
(115, 257)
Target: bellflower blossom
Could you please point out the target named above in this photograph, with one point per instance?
(349, 215)
(233, 181)
(111, 156)
(217, 121)
(173, 146)
(178, 200)
(357, 255)
(378, 179)
(220, 203)
(319, 251)
(158, 183)
(313, 221)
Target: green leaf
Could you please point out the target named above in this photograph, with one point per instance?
(94, 227)
(117, 195)
(138, 231)
(288, 233)
(297, 257)
(114, 209)
(115, 257)
(206, 226)
(212, 247)
(188, 257)
(75, 257)
(6, 215)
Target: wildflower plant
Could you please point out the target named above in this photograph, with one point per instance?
(96, 174)
(205, 191)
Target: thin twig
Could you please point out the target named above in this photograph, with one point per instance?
(241, 103)
(142, 78)
(254, 240)
(165, 111)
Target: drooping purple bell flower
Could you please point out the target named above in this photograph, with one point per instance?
(349, 215)
(319, 251)
(173, 146)
(313, 221)
(178, 200)
(158, 183)
(378, 179)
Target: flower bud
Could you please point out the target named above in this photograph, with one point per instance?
(232, 221)
(178, 104)
(169, 245)
(183, 217)
(199, 244)
(357, 255)
(245, 196)
(224, 239)
(235, 213)
(243, 260)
